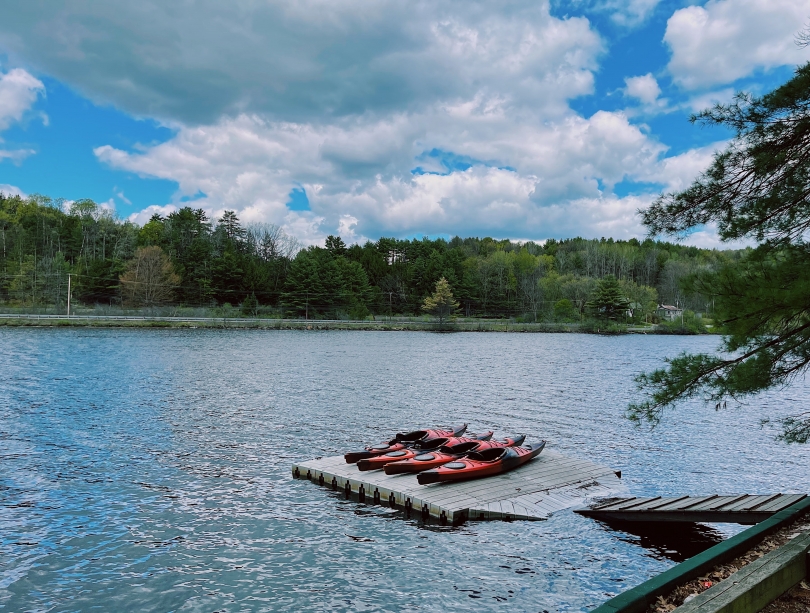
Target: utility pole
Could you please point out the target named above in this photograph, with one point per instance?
(68, 304)
(390, 313)
(306, 309)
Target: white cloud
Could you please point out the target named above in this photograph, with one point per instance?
(15, 155)
(193, 62)
(347, 99)
(120, 195)
(19, 91)
(346, 230)
(357, 173)
(631, 12)
(644, 88)
(709, 99)
(706, 237)
(627, 13)
(726, 40)
(143, 216)
(12, 190)
(677, 172)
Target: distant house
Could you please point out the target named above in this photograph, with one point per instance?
(669, 312)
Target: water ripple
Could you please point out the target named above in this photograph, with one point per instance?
(149, 470)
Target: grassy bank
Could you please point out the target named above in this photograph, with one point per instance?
(466, 325)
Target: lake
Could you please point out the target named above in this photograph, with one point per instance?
(150, 469)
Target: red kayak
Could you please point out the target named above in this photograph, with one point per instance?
(380, 461)
(401, 441)
(435, 443)
(481, 464)
(445, 454)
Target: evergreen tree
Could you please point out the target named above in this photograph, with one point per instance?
(608, 300)
(757, 189)
(250, 306)
(335, 245)
(229, 225)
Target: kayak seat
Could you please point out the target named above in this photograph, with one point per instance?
(488, 455)
(460, 448)
(431, 444)
(412, 436)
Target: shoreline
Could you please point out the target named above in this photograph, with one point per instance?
(241, 323)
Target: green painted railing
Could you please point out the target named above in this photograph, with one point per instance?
(637, 599)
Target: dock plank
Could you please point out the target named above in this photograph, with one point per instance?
(680, 503)
(750, 502)
(739, 508)
(782, 502)
(552, 481)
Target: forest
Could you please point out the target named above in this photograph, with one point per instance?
(187, 259)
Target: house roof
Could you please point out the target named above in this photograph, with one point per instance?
(668, 307)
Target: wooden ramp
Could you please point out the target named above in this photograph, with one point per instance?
(737, 509)
(548, 483)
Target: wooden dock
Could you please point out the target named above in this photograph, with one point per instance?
(548, 483)
(737, 509)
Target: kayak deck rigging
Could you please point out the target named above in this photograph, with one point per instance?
(548, 483)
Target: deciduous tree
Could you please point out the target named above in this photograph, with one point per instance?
(149, 279)
(441, 304)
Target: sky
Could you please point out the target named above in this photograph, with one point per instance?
(369, 118)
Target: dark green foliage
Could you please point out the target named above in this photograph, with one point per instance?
(609, 301)
(757, 189)
(226, 262)
(564, 310)
(250, 306)
(335, 245)
(230, 227)
(321, 284)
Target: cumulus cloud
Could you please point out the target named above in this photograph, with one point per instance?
(394, 118)
(726, 40)
(19, 91)
(677, 172)
(193, 62)
(704, 101)
(15, 155)
(12, 190)
(627, 13)
(644, 88)
(517, 177)
(144, 215)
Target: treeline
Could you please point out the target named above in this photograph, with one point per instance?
(188, 259)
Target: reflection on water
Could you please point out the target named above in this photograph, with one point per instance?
(670, 541)
(150, 469)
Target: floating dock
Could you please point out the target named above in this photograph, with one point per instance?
(737, 509)
(549, 483)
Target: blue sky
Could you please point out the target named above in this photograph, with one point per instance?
(511, 119)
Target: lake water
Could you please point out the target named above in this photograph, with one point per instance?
(150, 469)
